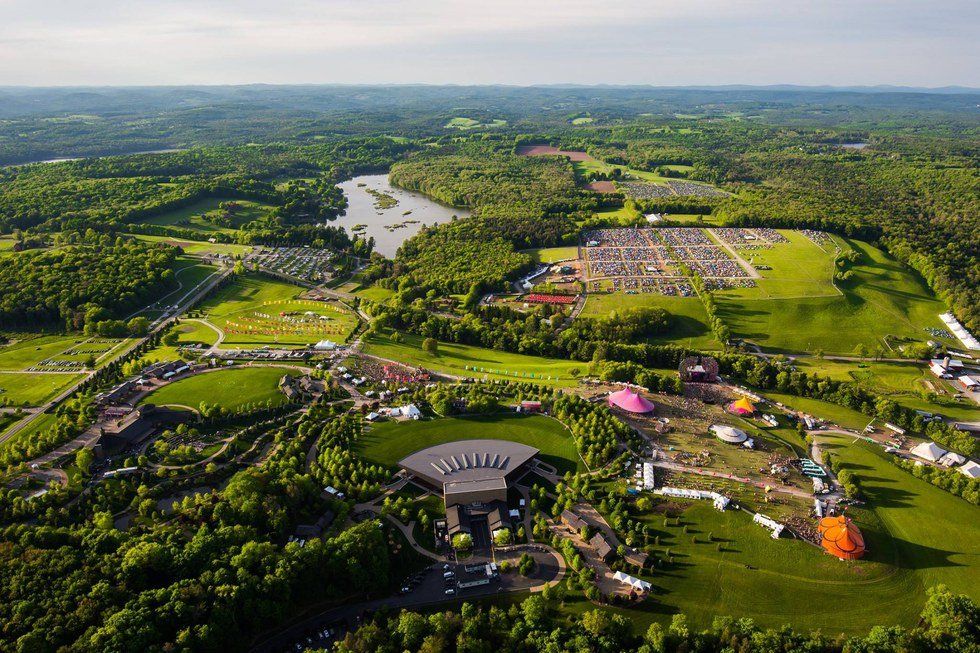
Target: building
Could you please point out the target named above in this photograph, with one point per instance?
(473, 477)
(698, 369)
(636, 558)
(138, 425)
(601, 546)
(572, 520)
(970, 470)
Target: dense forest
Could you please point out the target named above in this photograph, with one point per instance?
(88, 280)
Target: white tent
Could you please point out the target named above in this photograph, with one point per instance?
(928, 451)
(410, 411)
(728, 434)
(325, 345)
(951, 459)
(970, 469)
(632, 581)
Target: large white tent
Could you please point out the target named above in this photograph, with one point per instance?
(928, 451)
(728, 434)
(633, 581)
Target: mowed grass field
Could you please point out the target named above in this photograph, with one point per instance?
(688, 320)
(198, 247)
(196, 331)
(230, 388)
(28, 350)
(192, 216)
(388, 442)
(552, 254)
(250, 311)
(20, 388)
(882, 298)
(468, 361)
(906, 524)
(800, 268)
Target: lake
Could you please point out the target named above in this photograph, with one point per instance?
(390, 225)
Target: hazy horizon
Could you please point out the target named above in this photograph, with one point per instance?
(434, 42)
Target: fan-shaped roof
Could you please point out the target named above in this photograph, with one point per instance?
(841, 537)
(629, 400)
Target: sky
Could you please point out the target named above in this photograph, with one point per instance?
(657, 42)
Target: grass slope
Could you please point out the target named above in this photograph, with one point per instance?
(229, 388)
(688, 320)
(33, 389)
(454, 359)
(389, 442)
(192, 216)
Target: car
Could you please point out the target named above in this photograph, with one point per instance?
(450, 591)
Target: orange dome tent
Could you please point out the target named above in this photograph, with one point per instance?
(841, 537)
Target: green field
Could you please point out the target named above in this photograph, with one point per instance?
(389, 442)
(582, 120)
(908, 384)
(688, 321)
(800, 268)
(906, 526)
(255, 310)
(195, 331)
(455, 359)
(552, 254)
(464, 124)
(198, 247)
(883, 298)
(192, 217)
(29, 350)
(32, 389)
(230, 388)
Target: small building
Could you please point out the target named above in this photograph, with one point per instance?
(572, 520)
(969, 383)
(636, 558)
(601, 546)
(970, 470)
(530, 407)
(952, 459)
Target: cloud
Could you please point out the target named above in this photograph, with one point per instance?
(506, 41)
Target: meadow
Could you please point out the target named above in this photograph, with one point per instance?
(883, 298)
(198, 247)
(19, 389)
(195, 216)
(688, 320)
(800, 268)
(476, 362)
(254, 310)
(229, 388)
(388, 442)
(552, 254)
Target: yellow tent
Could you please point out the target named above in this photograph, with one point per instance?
(742, 407)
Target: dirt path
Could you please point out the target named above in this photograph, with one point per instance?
(752, 272)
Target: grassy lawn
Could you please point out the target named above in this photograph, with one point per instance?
(230, 388)
(688, 321)
(883, 298)
(468, 361)
(906, 525)
(254, 310)
(373, 293)
(29, 350)
(839, 415)
(196, 331)
(32, 389)
(193, 216)
(800, 268)
(389, 442)
(198, 247)
(552, 254)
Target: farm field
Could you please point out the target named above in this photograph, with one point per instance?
(229, 388)
(19, 389)
(253, 310)
(883, 298)
(191, 217)
(476, 362)
(198, 247)
(389, 442)
(688, 321)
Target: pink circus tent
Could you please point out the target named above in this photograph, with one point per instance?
(629, 400)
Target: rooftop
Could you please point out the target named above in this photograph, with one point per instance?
(468, 462)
